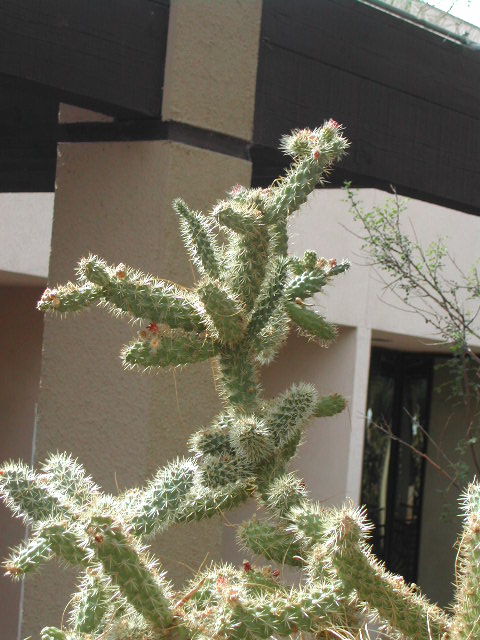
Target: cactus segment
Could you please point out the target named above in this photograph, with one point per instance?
(251, 441)
(306, 285)
(52, 633)
(27, 557)
(270, 541)
(237, 217)
(130, 292)
(25, 494)
(66, 541)
(284, 493)
(311, 324)
(289, 412)
(308, 522)
(270, 339)
(224, 319)
(162, 497)
(199, 239)
(329, 406)
(67, 481)
(214, 439)
(267, 616)
(167, 348)
(314, 153)
(205, 502)
(91, 604)
(239, 379)
(467, 603)
(343, 550)
(219, 471)
(246, 263)
(131, 570)
(69, 298)
(269, 299)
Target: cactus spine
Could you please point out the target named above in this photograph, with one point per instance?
(249, 294)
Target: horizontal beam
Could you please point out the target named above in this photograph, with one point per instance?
(110, 52)
(388, 81)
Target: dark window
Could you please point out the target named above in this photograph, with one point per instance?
(392, 483)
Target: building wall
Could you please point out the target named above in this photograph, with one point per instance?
(114, 200)
(25, 233)
(21, 327)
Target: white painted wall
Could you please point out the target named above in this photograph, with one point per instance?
(358, 298)
(25, 236)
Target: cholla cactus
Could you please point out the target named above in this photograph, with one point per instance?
(239, 314)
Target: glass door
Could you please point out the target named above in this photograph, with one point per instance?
(392, 481)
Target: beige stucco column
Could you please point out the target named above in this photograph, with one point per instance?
(113, 199)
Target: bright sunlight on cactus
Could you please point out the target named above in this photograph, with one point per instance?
(249, 294)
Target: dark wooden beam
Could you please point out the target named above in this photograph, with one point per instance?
(28, 146)
(109, 53)
(408, 98)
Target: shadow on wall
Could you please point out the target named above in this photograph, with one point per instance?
(21, 328)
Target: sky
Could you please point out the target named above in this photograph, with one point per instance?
(465, 9)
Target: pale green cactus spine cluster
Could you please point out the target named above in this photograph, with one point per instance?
(239, 313)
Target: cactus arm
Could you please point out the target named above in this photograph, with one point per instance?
(289, 412)
(214, 439)
(25, 494)
(269, 299)
(51, 538)
(161, 498)
(131, 571)
(314, 152)
(237, 216)
(70, 297)
(393, 600)
(466, 621)
(67, 481)
(219, 471)
(168, 348)
(199, 239)
(270, 339)
(342, 549)
(66, 541)
(239, 378)
(53, 633)
(90, 604)
(252, 442)
(329, 406)
(246, 263)
(270, 541)
(27, 557)
(130, 292)
(306, 285)
(205, 502)
(284, 493)
(224, 318)
(272, 615)
(310, 323)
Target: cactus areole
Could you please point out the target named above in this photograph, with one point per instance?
(248, 295)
